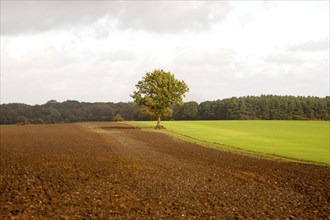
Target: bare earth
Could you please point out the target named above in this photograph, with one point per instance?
(70, 171)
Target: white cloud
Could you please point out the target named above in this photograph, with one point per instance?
(282, 58)
(318, 73)
(204, 58)
(97, 51)
(311, 46)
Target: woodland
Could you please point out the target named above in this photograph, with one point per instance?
(264, 107)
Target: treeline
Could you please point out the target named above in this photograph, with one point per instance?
(68, 111)
(265, 107)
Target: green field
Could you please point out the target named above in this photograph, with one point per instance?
(302, 140)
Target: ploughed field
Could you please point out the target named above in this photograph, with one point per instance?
(112, 171)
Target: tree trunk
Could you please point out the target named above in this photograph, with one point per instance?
(158, 122)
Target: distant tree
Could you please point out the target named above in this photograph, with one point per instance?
(50, 102)
(54, 115)
(23, 120)
(206, 110)
(38, 121)
(118, 117)
(188, 111)
(157, 91)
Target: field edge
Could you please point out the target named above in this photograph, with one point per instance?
(223, 147)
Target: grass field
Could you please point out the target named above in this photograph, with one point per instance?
(302, 140)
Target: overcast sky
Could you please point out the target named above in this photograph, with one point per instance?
(97, 51)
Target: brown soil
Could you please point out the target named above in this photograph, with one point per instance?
(73, 172)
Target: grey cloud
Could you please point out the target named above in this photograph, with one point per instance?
(167, 16)
(172, 16)
(31, 16)
(310, 46)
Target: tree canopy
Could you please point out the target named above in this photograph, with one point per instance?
(157, 91)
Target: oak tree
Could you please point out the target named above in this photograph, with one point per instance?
(157, 91)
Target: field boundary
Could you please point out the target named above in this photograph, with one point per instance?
(223, 147)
